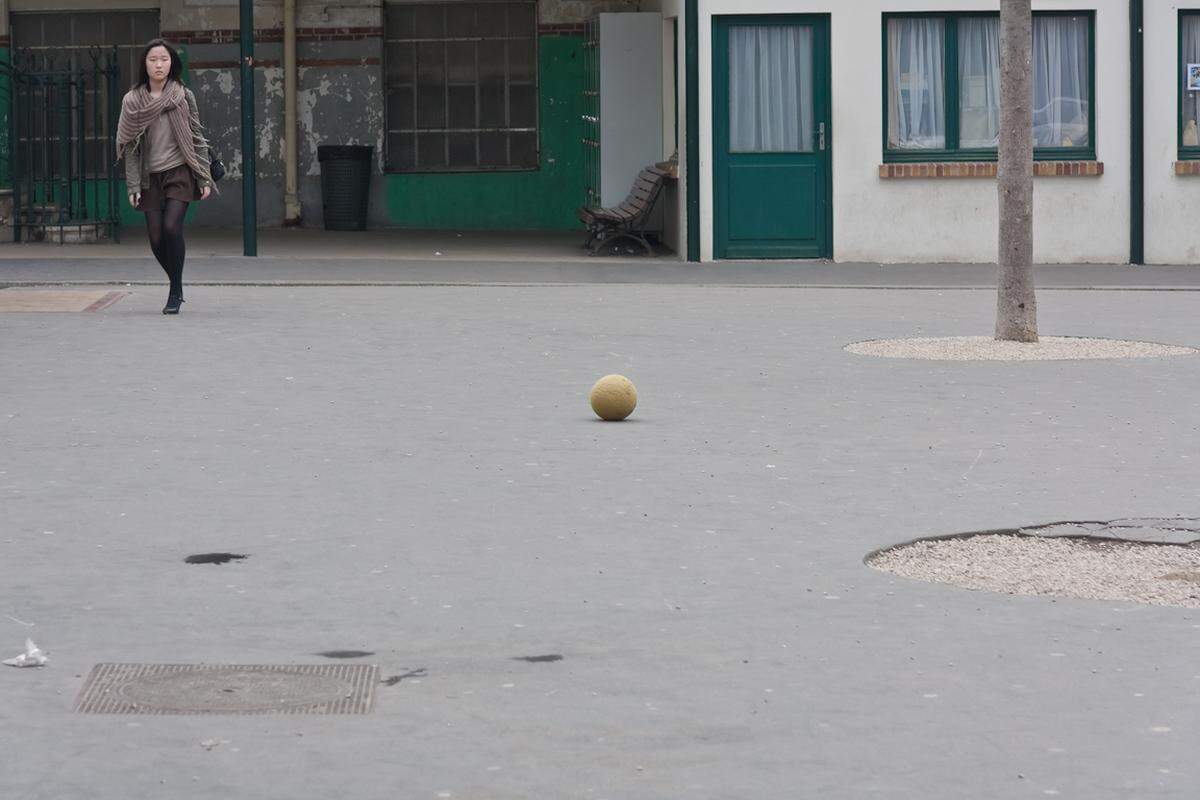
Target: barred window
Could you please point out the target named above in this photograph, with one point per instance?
(461, 83)
(59, 40)
(70, 35)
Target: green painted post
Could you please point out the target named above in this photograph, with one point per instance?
(1137, 141)
(691, 175)
(249, 189)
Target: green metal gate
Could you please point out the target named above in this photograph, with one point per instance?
(63, 114)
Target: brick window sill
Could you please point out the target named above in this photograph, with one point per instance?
(1187, 168)
(987, 169)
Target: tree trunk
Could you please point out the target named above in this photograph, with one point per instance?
(1016, 305)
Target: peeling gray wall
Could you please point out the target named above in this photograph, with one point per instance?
(334, 105)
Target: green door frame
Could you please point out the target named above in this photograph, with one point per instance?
(822, 112)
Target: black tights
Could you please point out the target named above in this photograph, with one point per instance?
(165, 226)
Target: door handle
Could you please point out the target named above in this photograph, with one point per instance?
(821, 136)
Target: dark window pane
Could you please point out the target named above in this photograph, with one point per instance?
(521, 60)
(462, 150)
(491, 19)
(431, 80)
(491, 60)
(145, 26)
(431, 150)
(118, 28)
(400, 151)
(431, 107)
(399, 22)
(491, 105)
(460, 61)
(430, 21)
(462, 107)
(400, 63)
(400, 109)
(524, 150)
(523, 106)
(521, 19)
(460, 19)
(493, 149)
(431, 62)
(87, 29)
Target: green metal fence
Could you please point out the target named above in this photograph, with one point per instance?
(63, 112)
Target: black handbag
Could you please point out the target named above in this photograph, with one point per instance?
(216, 169)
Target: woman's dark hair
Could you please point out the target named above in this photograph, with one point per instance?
(176, 64)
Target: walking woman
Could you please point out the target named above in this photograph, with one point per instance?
(166, 157)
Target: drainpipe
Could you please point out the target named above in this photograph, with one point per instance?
(291, 203)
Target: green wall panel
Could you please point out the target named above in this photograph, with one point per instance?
(544, 199)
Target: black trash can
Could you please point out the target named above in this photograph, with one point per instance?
(345, 185)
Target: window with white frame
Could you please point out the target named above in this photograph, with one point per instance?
(1189, 84)
(461, 84)
(942, 86)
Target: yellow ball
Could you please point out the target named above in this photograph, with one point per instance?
(613, 398)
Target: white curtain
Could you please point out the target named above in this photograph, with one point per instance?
(979, 81)
(1191, 100)
(770, 89)
(916, 84)
(1061, 106)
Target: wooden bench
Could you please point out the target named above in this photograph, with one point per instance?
(629, 219)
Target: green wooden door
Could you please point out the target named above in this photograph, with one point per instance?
(772, 137)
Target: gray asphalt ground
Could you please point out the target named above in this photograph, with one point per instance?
(414, 472)
(80, 266)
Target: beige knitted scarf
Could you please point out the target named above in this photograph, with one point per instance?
(139, 110)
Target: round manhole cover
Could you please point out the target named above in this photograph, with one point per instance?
(233, 690)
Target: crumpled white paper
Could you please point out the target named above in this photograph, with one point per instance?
(32, 657)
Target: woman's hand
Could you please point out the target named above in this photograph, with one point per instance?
(135, 199)
(205, 192)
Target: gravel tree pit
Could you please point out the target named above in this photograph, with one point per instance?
(987, 348)
(1153, 561)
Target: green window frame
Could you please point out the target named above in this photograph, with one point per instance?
(1186, 152)
(952, 151)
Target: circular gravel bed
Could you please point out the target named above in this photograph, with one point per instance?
(1162, 575)
(985, 348)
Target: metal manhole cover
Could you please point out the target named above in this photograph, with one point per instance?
(228, 689)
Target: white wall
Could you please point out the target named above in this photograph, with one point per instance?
(676, 229)
(942, 220)
(1172, 236)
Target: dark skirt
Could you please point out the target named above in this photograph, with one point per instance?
(176, 183)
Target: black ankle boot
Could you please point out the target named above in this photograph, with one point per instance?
(172, 306)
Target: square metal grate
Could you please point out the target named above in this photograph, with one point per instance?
(229, 689)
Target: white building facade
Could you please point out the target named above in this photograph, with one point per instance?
(865, 131)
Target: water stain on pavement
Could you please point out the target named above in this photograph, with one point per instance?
(392, 680)
(214, 558)
(547, 659)
(346, 653)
